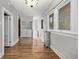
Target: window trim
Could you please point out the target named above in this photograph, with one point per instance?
(64, 20)
(49, 20)
(63, 4)
(58, 8)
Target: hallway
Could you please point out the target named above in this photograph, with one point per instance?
(54, 22)
(28, 49)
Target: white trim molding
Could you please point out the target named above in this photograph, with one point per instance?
(11, 15)
(14, 42)
(5, 10)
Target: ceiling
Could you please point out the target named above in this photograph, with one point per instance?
(28, 11)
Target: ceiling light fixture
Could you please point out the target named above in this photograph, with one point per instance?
(31, 3)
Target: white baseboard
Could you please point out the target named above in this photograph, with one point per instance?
(58, 53)
(7, 45)
(35, 38)
(1, 55)
(14, 42)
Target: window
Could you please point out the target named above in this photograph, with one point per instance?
(41, 24)
(64, 17)
(51, 21)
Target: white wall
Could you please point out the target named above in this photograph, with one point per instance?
(10, 8)
(35, 27)
(37, 31)
(64, 43)
(26, 30)
(74, 16)
(41, 31)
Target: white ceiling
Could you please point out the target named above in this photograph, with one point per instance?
(28, 11)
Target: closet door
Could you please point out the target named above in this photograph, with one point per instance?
(6, 30)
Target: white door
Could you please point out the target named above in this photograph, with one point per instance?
(6, 31)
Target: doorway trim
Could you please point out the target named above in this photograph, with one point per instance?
(11, 15)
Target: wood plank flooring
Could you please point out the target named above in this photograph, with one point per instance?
(29, 49)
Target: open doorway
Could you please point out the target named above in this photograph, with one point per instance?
(19, 29)
(7, 30)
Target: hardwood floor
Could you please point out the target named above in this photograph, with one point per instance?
(29, 49)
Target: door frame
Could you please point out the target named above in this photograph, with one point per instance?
(11, 15)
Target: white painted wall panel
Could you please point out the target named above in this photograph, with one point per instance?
(26, 33)
(64, 44)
